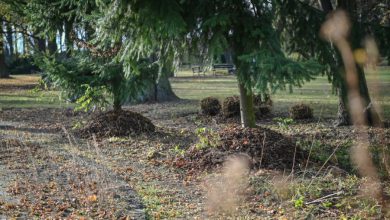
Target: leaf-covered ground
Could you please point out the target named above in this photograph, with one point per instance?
(46, 172)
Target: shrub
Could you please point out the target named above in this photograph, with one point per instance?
(231, 106)
(210, 106)
(301, 111)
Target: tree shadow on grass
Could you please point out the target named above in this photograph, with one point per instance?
(30, 129)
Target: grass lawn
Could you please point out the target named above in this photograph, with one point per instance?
(19, 92)
(317, 93)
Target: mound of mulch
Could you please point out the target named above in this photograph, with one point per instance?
(265, 100)
(210, 106)
(266, 149)
(117, 124)
(231, 107)
(301, 111)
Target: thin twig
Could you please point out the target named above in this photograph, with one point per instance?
(262, 149)
(293, 165)
(333, 195)
(323, 165)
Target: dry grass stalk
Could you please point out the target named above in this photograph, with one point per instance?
(226, 192)
(336, 30)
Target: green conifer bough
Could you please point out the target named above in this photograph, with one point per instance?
(245, 27)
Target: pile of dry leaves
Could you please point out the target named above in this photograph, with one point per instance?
(117, 124)
(264, 147)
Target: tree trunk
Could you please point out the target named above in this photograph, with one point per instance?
(88, 32)
(356, 39)
(326, 5)
(117, 104)
(52, 44)
(3, 68)
(372, 116)
(116, 93)
(25, 45)
(10, 41)
(164, 90)
(39, 43)
(68, 40)
(16, 51)
(343, 114)
(246, 107)
(160, 91)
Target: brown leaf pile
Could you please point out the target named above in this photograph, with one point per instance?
(266, 149)
(210, 106)
(301, 111)
(117, 124)
(231, 107)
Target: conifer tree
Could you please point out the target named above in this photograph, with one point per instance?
(244, 27)
(3, 68)
(91, 73)
(301, 23)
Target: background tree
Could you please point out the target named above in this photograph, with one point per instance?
(10, 40)
(144, 37)
(301, 22)
(3, 68)
(90, 71)
(244, 27)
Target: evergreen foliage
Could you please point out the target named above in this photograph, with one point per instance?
(273, 43)
(88, 79)
(244, 27)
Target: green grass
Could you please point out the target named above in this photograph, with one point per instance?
(318, 93)
(18, 92)
(25, 100)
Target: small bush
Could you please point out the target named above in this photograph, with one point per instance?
(231, 106)
(210, 106)
(301, 111)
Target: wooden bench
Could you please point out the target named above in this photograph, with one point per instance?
(229, 67)
(198, 70)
